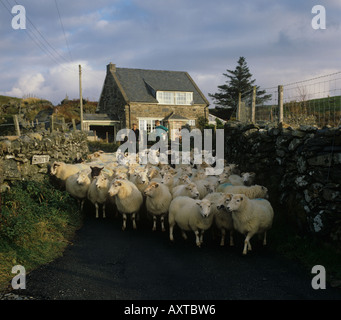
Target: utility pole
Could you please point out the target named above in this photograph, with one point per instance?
(80, 96)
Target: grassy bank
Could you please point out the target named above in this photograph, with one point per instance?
(36, 223)
(305, 248)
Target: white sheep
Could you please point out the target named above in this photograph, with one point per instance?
(189, 190)
(157, 202)
(250, 217)
(62, 170)
(78, 184)
(168, 180)
(204, 187)
(222, 218)
(248, 178)
(128, 199)
(98, 192)
(252, 192)
(190, 215)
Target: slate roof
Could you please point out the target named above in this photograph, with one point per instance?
(140, 85)
(175, 117)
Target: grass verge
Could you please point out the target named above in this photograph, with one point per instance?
(36, 224)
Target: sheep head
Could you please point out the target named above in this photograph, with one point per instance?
(204, 207)
(55, 166)
(102, 181)
(236, 202)
(226, 199)
(150, 189)
(193, 190)
(83, 177)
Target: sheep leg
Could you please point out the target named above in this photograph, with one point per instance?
(231, 238)
(96, 205)
(154, 223)
(103, 208)
(197, 238)
(202, 236)
(124, 221)
(171, 226)
(223, 233)
(134, 221)
(247, 244)
(163, 224)
(184, 235)
(264, 240)
(82, 204)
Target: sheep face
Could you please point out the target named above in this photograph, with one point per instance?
(235, 202)
(115, 187)
(193, 190)
(102, 182)
(248, 178)
(204, 207)
(142, 177)
(83, 178)
(151, 188)
(209, 187)
(95, 171)
(184, 179)
(263, 192)
(167, 178)
(55, 167)
(222, 177)
(227, 197)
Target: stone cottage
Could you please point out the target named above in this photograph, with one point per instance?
(144, 96)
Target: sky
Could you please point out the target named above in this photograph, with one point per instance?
(204, 38)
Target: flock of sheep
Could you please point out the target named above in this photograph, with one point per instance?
(182, 193)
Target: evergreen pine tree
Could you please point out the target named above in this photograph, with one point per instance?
(239, 81)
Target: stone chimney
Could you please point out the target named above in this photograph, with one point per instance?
(111, 67)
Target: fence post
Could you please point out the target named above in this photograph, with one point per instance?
(52, 123)
(280, 104)
(16, 125)
(253, 105)
(239, 106)
(74, 124)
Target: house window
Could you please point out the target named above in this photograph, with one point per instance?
(191, 123)
(147, 124)
(179, 98)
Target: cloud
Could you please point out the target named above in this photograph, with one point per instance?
(202, 37)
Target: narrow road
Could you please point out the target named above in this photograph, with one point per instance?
(107, 263)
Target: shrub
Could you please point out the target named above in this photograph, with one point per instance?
(36, 223)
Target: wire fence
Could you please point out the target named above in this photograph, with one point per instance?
(315, 101)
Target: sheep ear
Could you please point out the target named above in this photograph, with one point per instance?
(198, 202)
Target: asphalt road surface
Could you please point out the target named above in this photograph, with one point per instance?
(105, 263)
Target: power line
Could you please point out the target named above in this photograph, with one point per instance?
(44, 46)
(61, 23)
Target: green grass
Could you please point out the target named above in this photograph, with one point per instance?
(36, 223)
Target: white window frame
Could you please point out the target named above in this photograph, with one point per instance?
(174, 97)
(191, 122)
(145, 121)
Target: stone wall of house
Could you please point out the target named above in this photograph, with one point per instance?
(301, 168)
(160, 111)
(111, 100)
(18, 157)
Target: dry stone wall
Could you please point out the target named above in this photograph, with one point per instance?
(300, 166)
(28, 157)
